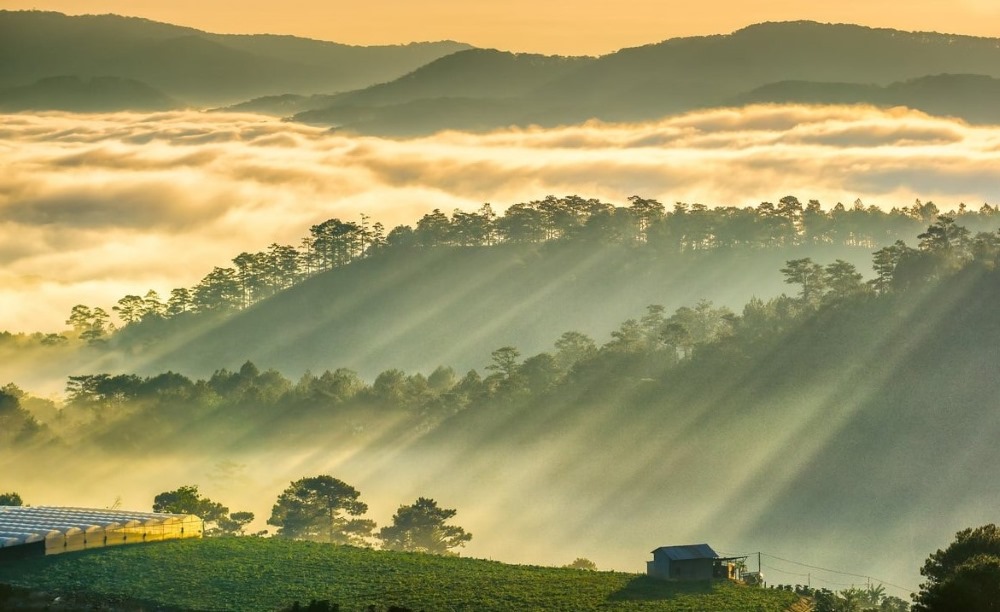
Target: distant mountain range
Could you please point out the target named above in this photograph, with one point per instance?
(973, 97)
(424, 87)
(192, 66)
(97, 94)
(771, 62)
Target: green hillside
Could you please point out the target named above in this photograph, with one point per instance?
(249, 574)
(416, 309)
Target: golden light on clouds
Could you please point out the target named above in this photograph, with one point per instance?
(561, 27)
(93, 207)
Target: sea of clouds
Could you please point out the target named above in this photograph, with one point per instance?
(93, 207)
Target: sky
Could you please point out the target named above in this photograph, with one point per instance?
(577, 27)
(96, 207)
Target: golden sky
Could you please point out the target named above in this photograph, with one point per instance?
(548, 26)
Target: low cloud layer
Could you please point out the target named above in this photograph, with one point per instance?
(96, 206)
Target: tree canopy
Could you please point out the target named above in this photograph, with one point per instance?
(320, 508)
(965, 575)
(421, 527)
(217, 518)
(11, 499)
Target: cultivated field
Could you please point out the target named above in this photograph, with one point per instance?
(269, 574)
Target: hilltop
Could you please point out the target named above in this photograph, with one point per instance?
(682, 74)
(267, 574)
(193, 66)
(419, 88)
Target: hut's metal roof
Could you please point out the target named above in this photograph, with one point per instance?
(687, 552)
(24, 524)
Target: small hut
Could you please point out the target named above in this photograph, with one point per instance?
(691, 562)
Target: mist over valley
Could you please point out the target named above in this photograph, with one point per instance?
(736, 289)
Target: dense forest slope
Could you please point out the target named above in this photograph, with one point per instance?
(418, 308)
(865, 424)
(848, 417)
(194, 66)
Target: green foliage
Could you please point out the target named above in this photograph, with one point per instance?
(317, 508)
(964, 576)
(807, 274)
(570, 219)
(582, 563)
(11, 499)
(218, 520)
(17, 425)
(870, 599)
(421, 527)
(90, 324)
(658, 346)
(235, 523)
(268, 574)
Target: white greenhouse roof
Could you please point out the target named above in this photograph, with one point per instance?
(27, 524)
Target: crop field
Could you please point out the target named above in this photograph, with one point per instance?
(270, 574)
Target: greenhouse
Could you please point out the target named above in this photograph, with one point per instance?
(27, 531)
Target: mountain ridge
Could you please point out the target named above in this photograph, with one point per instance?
(683, 74)
(192, 65)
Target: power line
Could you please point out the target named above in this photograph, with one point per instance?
(868, 579)
(839, 584)
(815, 567)
(781, 571)
(832, 571)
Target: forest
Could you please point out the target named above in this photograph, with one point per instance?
(652, 346)
(644, 224)
(800, 390)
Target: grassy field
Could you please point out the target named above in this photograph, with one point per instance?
(269, 574)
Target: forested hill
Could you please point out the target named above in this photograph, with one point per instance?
(865, 423)
(450, 290)
(847, 417)
(416, 309)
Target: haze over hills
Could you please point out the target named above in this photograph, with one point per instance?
(426, 87)
(420, 309)
(96, 94)
(973, 97)
(474, 89)
(514, 363)
(195, 67)
(821, 424)
(687, 73)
